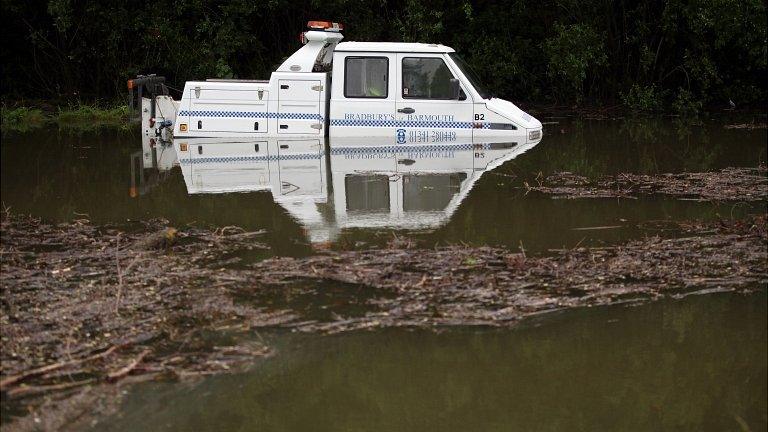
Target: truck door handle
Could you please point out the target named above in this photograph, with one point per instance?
(406, 162)
(406, 110)
(284, 86)
(283, 146)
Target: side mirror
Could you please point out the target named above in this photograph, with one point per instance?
(455, 89)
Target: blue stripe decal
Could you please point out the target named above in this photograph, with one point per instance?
(235, 159)
(339, 151)
(402, 148)
(251, 114)
(408, 123)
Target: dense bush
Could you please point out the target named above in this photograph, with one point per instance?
(676, 54)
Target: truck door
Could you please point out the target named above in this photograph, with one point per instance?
(363, 97)
(299, 107)
(425, 110)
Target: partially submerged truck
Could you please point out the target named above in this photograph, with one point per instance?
(409, 93)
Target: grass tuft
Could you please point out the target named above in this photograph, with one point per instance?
(93, 114)
(22, 118)
(78, 117)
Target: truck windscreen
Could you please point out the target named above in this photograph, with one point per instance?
(471, 76)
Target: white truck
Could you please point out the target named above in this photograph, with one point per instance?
(410, 93)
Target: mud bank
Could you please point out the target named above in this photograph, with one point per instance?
(88, 308)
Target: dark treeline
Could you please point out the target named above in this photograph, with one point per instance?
(677, 54)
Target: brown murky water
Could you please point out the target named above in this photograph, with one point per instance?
(693, 364)
(64, 175)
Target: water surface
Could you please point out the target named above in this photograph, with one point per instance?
(693, 364)
(107, 177)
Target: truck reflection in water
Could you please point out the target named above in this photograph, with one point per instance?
(350, 184)
(152, 165)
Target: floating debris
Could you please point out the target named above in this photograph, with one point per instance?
(747, 126)
(729, 184)
(85, 308)
(83, 304)
(461, 285)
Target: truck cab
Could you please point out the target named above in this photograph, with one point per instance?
(419, 94)
(411, 93)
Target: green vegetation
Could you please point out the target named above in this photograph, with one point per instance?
(675, 55)
(571, 52)
(22, 118)
(92, 114)
(645, 99)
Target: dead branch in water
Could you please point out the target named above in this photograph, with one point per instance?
(11, 380)
(116, 375)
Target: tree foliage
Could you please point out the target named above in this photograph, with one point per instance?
(676, 53)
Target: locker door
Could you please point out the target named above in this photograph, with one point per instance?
(224, 110)
(299, 107)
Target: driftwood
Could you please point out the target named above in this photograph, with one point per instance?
(26, 391)
(14, 379)
(122, 372)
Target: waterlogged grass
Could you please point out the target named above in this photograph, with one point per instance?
(92, 114)
(23, 118)
(80, 117)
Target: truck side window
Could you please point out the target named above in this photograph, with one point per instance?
(366, 77)
(426, 78)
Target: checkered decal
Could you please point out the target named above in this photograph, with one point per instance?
(236, 159)
(407, 123)
(402, 148)
(298, 116)
(340, 151)
(251, 114)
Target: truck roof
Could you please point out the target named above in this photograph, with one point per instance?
(404, 47)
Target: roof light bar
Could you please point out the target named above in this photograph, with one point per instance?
(325, 25)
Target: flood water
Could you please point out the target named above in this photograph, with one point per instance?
(693, 364)
(107, 177)
(697, 363)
